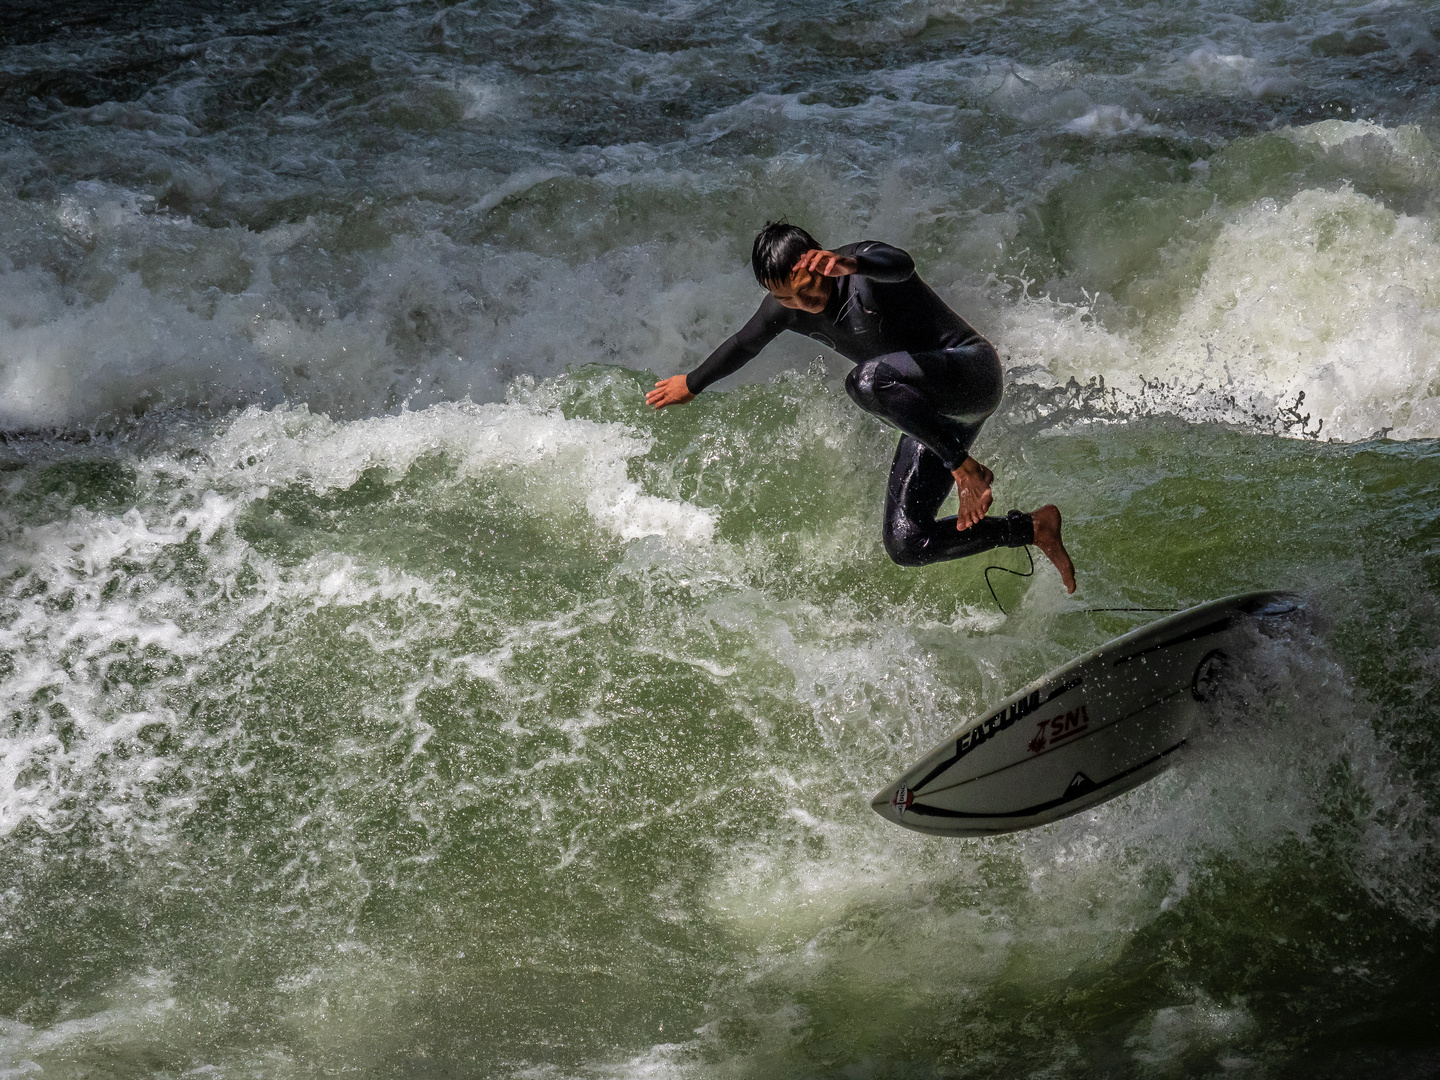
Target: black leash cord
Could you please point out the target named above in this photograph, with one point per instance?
(1007, 570)
(1028, 573)
(1089, 609)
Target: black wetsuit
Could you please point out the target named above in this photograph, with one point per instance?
(919, 367)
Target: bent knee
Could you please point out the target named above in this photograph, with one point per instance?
(906, 548)
(860, 384)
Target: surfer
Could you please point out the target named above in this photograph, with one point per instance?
(918, 366)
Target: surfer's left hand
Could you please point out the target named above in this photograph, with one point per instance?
(827, 263)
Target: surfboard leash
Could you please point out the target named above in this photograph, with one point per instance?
(1006, 569)
(1027, 573)
(1088, 610)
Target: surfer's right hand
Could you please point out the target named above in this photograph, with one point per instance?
(827, 263)
(972, 488)
(671, 391)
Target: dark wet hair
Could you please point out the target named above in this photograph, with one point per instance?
(777, 249)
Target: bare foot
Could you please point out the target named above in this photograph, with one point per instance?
(972, 487)
(1047, 538)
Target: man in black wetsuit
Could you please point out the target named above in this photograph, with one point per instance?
(918, 366)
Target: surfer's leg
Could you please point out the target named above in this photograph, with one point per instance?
(919, 483)
(940, 398)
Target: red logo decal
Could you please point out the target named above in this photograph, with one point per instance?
(901, 800)
(1059, 728)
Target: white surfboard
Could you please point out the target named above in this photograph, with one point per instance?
(1084, 733)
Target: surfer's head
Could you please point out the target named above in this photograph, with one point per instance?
(777, 249)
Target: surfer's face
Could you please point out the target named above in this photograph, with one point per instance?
(805, 291)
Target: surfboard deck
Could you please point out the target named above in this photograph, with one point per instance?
(1086, 732)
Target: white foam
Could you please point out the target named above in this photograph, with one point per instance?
(139, 1007)
(285, 446)
(1330, 294)
(1236, 74)
(1400, 157)
(46, 780)
(432, 320)
(1174, 1032)
(160, 312)
(1110, 120)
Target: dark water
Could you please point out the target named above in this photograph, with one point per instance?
(387, 692)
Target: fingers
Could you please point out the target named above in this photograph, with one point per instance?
(825, 263)
(672, 391)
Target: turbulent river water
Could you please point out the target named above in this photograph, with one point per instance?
(387, 692)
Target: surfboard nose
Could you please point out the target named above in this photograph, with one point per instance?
(892, 802)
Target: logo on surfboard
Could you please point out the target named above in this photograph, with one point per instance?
(1057, 729)
(902, 800)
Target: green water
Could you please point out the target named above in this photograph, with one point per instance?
(404, 776)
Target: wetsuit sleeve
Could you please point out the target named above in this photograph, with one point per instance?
(881, 262)
(740, 348)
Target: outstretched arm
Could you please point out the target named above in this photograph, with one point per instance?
(736, 351)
